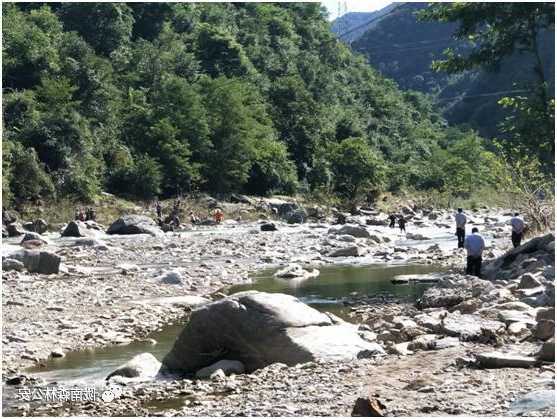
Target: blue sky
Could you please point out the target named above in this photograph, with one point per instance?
(353, 6)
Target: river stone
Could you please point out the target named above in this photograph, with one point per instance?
(144, 365)
(12, 265)
(547, 351)
(504, 360)
(297, 216)
(345, 252)
(268, 227)
(225, 365)
(32, 236)
(442, 297)
(416, 236)
(351, 230)
(514, 316)
(171, 278)
(539, 400)
(38, 226)
(76, 229)
(41, 262)
(134, 224)
(528, 280)
(504, 266)
(545, 329)
(261, 329)
(14, 229)
(295, 271)
(470, 326)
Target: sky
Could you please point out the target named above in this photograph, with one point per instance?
(353, 6)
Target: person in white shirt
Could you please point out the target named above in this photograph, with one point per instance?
(518, 226)
(460, 220)
(474, 245)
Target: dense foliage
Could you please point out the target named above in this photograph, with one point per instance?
(162, 99)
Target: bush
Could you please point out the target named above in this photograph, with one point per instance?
(28, 179)
(140, 179)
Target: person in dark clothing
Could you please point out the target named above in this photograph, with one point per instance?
(158, 208)
(402, 224)
(392, 221)
(518, 227)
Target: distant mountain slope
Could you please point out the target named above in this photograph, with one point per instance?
(355, 24)
(402, 48)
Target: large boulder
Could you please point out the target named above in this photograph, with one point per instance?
(298, 216)
(142, 366)
(76, 229)
(32, 236)
(259, 329)
(12, 265)
(134, 224)
(38, 261)
(351, 230)
(345, 252)
(38, 226)
(14, 230)
(512, 263)
(547, 351)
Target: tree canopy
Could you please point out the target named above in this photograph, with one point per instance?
(150, 100)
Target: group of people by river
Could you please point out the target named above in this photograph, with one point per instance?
(474, 243)
(174, 217)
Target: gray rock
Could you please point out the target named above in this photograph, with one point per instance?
(532, 402)
(33, 236)
(38, 261)
(262, 329)
(504, 360)
(514, 316)
(141, 366)
(470, 327)
(12, 265)
(528, 280)
(416, 236)
(171, 278)
(227, 366)
(547, 351)
(38, 226)
(134, 224)
(503, 266)
(268, 227)
(14, 230)
(351, 230)
(545, 329)
(297, 216)
(345, 252)
(76, 229)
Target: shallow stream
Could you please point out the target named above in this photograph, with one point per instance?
(327, 292)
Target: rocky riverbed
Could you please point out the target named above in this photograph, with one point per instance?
(113, 289)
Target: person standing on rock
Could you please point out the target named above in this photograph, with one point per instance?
(158, 208)
(518, 226)
(402, 224)
(474, 245)
(460, 220)
(392, 220)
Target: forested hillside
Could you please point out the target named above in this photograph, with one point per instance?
(402, 47)
(160, 99)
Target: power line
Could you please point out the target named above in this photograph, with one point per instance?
(369, 22)
(486, 94)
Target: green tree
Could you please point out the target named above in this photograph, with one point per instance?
(495, 31)
(357, 168)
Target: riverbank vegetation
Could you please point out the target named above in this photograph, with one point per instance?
(147, 100)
